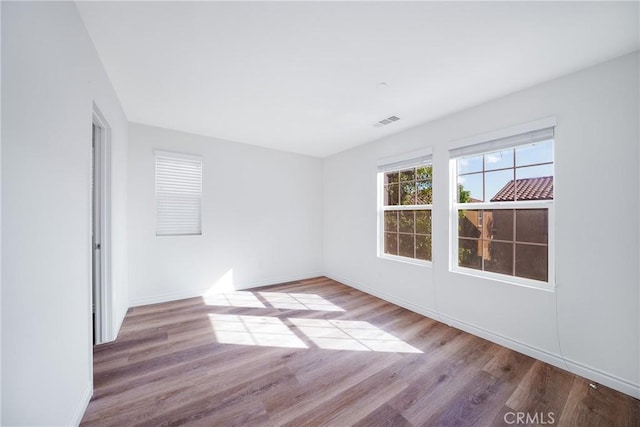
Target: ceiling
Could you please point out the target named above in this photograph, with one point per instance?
(306, 77)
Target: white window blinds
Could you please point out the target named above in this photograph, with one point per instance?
(502, 143)
(405, 161)
(178, 194)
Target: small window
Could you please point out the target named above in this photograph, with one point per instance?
(504, 201)
(178, 194)
(405, 211)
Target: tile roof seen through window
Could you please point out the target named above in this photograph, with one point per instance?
(527, 189)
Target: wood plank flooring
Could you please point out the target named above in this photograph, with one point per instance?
(315, 353)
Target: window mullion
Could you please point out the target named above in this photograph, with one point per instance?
(518, 204)
(407, 208)
(484, 228)
(515, 196)
(513, 249)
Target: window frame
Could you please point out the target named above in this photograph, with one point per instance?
(455, 207)
(177, 157)
(418, 159)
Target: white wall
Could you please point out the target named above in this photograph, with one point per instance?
(597, 177)
(51, 76)
(0, 215)
(261, 218)
(119, 288)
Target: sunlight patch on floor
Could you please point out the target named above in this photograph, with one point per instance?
(253, 330)
(233, 299)
(277, 300)
(350, 335)
(296, 301)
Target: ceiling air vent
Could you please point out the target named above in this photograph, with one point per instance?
(387, 121)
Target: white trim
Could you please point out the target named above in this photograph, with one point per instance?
(106, 300)
(387, 297)
(551, 245)
(504, 341)
(279, 280)
(380, 213)
(516, 204)
(114, 336)
(504, 278)
(167, 297)
(76, 416)
(601, 377)
(454, 207)
(549, 285)
(532, 126)
(556, 360)
(381, 209)
(81, 408)
(406, 260)
(174, 296)
(407, 207)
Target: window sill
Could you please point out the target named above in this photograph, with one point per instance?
(508, 280)
(405, 260)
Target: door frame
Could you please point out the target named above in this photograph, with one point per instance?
(104, 303)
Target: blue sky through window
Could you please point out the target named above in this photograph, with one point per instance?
(486, 174)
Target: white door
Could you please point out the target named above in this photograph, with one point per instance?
(96, 228)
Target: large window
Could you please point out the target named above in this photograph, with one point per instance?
(504, 204)
(405, 210)
(178, 194)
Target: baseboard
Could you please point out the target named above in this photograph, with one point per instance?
(115, 331)
(278, 280)
(387, 297)
(556, 360)
(604, 378)
(82, 406)
(174, 296)
(160, 298)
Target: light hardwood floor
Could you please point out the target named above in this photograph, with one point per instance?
(316, 352)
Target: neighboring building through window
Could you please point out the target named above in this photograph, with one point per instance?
(178, 194)
(503, 206)
(405, 209)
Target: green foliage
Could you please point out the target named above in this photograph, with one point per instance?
(390, 177)
(464, 196)
(464, 256)
(423, 222)
(409, 187)
(406, 222)
(391, 221)
(424, 173)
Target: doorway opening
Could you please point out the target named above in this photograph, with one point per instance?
(100, 229)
